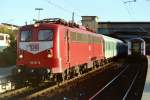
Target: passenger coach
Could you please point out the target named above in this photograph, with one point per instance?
(113, 47)
(136, 46)
(4, 41)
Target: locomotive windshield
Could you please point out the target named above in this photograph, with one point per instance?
(26, 36)
(45, 35)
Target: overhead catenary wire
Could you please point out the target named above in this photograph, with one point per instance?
(76, 10)
(127, 9)
(58, 6)
(61, 8)
(129, 1)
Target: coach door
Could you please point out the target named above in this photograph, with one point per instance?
(90, 47)
(67, 46)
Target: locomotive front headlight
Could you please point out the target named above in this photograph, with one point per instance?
(49, 55)
(32, 70)
(20, 56)
(48, 70)
(36, 25)
(19, 70)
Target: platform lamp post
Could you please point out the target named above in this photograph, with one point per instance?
(38, 9)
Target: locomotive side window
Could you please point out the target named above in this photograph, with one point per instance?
(26, 36)
(89, 39)
(97, 40)
(45, 35)
(84, 38)
(1, 37)
(73, 36)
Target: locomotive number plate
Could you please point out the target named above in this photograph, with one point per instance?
(34, 47)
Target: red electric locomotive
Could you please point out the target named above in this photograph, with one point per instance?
(54, 49)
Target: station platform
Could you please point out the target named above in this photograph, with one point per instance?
(146, 91)
(5, 83)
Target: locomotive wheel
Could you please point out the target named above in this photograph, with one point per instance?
(93, 65)
(76, 71)
(58, 77)
(72, 72)
(101, 63)
(64, 75)
(97, 64)
(81, 69)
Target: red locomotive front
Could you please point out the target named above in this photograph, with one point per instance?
(36, 48)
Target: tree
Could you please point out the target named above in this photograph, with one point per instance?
(8, 56)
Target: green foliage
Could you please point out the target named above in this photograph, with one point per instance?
(8, 56)
(8, 31)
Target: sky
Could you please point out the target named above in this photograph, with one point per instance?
(20, 11)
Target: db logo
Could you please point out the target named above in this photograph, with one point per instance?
(34, 47)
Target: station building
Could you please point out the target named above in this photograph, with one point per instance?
(9, 26)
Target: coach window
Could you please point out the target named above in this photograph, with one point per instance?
(45, 35)
(1, 37)
(26, 36)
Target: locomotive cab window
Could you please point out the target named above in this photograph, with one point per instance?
(45, 35)
(26, 36)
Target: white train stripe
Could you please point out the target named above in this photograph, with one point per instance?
(36, 47)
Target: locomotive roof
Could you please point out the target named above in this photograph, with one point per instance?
(140, 39)
(60, 21)
(53, 25)
(107, 38)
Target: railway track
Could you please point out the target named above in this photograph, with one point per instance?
(67, 85)
(120, 87)
(23, 92)
(29, 92)
(13, 93)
